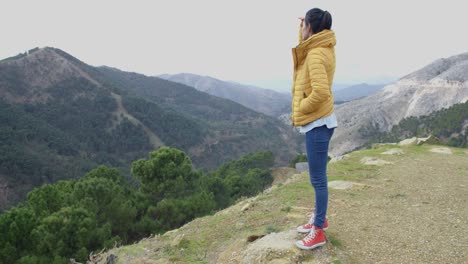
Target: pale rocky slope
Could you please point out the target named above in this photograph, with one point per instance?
(436, 86)
(411, 208)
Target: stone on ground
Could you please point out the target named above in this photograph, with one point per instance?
(393, 151)
(338, 158)
(428, 140)
(340, 185)
(301, 167)
(408, 142)
(442, 150)
(280, 248)
(374, 161)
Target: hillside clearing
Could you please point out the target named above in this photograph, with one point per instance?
(411, 211)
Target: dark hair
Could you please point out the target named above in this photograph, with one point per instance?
(318, 19)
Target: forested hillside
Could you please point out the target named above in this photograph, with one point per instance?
(449, 125)
(71, 218)
(60, 118)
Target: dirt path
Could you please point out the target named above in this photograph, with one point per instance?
(155, 141)
(416, 213)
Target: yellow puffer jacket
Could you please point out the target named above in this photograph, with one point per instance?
(314, 67)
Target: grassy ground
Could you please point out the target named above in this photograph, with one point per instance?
(411, 211)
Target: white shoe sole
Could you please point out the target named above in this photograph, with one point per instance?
(301, 246)
(305, 231)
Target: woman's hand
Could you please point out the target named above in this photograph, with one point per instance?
(302, 20)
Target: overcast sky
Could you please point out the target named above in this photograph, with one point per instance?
(244, 41)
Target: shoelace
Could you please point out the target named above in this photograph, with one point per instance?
(311, 235)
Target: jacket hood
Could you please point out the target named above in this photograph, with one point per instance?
(326, 39)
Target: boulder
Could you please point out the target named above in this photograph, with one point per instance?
(338, 158)
(301, 167)
(374, 161)
(393, 151)
(246, 207)
(280, 248)
(340, 185)
(428, 140)
(409, 142)
(442, 150)
(177, 240)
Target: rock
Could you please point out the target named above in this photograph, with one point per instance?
(273, 247)
(280, 248)
(428, 140)
(378, 145)
(301, 167)
(177, 240)
(442, 150)
(269, 190)
(374, 161)
(419, 141)
(111, 259)
(340, 185)
(246, 207)
(408, 142)
(232, 252)
(393, 151)
(338, 158)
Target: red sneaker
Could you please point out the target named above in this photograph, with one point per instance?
(307, 227)
(316, 238)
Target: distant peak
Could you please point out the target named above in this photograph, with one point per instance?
(454, 68)
(40, 52)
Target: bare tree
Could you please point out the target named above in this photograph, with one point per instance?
(4, 192)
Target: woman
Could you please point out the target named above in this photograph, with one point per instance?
(313, 111)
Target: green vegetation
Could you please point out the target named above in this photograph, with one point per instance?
(446, 124)
(171, 126)
(57, 127)
(244, 177)
(71, 218)
(334, 241)
(64, 138)
(271, 229)
(298, 158)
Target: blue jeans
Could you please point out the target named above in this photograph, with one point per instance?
(317, 141)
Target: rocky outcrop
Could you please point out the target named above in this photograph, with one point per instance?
(436, 86)
(393, 151)
(442, 150)
(374, 161)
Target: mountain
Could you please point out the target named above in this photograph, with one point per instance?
(60, 117)
(356, 91)
(261, 100)
(339, 86)
(436, 86)
(408, 191)
(449, 126)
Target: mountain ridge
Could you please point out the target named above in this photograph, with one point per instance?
(262, 100)
(418, 93)
(79, 116)
(356, 91)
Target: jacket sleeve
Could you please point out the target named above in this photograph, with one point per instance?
(318, 82)
(300, 33)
